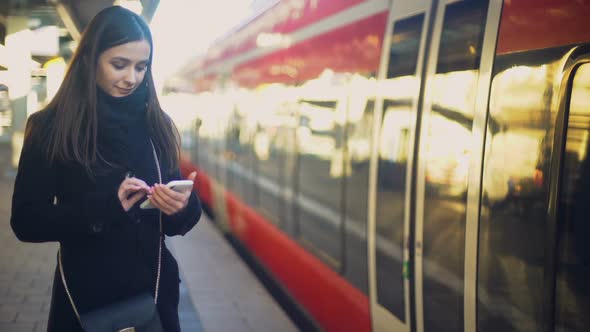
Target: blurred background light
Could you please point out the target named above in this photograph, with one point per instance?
(273, 40)
(184, 29)
(133, 5)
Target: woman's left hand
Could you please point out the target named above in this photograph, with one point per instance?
(168, 200)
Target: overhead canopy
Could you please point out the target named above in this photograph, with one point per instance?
(74, 15)
(69, 16)
(82, 11)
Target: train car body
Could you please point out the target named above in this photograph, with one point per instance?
(404, 165)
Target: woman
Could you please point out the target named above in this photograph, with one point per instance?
(85, 167)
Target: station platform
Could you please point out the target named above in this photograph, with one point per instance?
(218, 292)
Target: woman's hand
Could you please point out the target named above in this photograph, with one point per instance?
(168, 200)
(131, 191)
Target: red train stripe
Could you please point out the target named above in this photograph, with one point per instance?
(536, 24)
(333, 302)
(285, 17)
(354, 48)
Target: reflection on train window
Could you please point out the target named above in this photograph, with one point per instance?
(394, 144)
(461, 37)
(272, 145)
(239, 144)
(513, 219)
(358, 147)
(320, 145)
(447, 154)
(405, 44)
(573, 262)
(209, 136)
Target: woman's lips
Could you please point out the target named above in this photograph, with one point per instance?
(123, 91)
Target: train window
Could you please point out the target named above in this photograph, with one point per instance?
(358, 148)
(394, 145)
(447, 154)
(573, 260)
(239, 154)
(274, 123)
(405, 44)
(244, 133)
(320, 170)
(206, 146)
(513, 217)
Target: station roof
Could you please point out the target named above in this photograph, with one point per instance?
(83, 11)
(70, 16)
(74, 14)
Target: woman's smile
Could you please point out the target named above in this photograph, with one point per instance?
(124, 91)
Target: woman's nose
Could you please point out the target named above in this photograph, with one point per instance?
(130, 77)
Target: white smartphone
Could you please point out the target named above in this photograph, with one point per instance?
(176, 185)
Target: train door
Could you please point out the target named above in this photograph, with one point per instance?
(569, 290)
(449, 163)
(391, 165)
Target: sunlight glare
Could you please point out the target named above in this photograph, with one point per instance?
(184, 29)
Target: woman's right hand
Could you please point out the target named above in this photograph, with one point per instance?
(131, 191)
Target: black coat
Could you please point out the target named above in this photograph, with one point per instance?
(108, 254)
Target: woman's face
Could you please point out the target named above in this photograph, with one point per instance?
(121, 68)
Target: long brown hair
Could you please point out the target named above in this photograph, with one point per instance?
(73, 128)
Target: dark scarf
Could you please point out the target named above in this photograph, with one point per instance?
(123, 140)
(123, 137)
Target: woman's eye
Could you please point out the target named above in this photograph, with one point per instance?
(140, 69)
(118, 66)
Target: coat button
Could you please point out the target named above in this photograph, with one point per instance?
(97, 228)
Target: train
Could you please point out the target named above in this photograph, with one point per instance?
(402, 165)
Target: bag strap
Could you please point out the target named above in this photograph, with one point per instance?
(63, 276)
